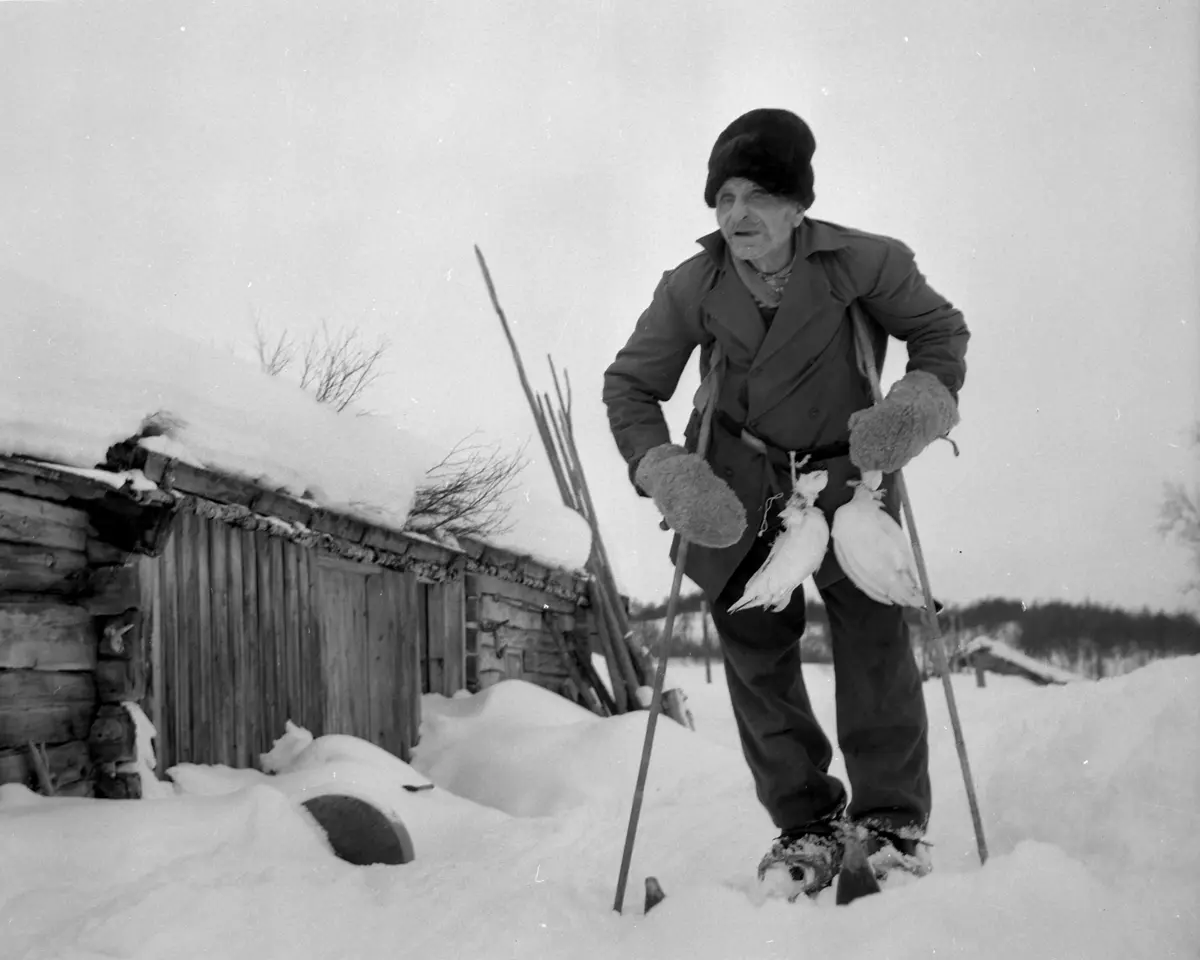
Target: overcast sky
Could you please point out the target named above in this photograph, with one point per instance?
(201, 162)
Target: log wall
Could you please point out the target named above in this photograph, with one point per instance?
(507, 637)
(225, 624)
(48, 642)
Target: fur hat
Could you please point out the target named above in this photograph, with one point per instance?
(772, 147)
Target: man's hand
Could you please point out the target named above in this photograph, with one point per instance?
(694, 501)
(916, 411)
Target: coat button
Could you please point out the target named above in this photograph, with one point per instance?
(814, 413)
(728, 471)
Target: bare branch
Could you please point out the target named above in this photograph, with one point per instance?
(273, 358)
(336, 367)
(464, 492)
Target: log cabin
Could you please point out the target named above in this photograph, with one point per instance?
(223, 609)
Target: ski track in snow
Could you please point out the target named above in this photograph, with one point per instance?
(1089, 795)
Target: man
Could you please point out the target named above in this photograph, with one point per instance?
(767, 304)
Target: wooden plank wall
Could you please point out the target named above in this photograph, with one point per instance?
(252, 630)
(444, 671)
(374, 628)
(236, 643)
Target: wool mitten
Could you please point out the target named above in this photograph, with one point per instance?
(694, 501)
(916, 411)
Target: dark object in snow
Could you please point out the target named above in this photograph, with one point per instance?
(360, 833)
(654, 893)
(417, 788)
(857, 876)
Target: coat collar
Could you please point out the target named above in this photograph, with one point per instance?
(802, 323)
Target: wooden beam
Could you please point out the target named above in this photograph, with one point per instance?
(45, 707)
(495, 606)
(121, 680)
(520, 594)
(16, 480)
(454, 677)
(112, 737)
(235, 675)
(204, 693)
(150, 607)
(251, 691)
(101, 554)
(45, 635)
(45, 481)
(35, 569)
(27, 520)
(219, 676)
(68, 763)
(437, 638)
(41, 768)
(112, 590)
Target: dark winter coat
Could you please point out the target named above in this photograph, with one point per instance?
(792, 383)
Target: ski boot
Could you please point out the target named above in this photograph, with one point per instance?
(900, 849)
(803, 862)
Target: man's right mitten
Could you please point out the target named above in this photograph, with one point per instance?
(694, 501)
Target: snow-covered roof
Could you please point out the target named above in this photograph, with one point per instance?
(1002, 651)
(74, 380)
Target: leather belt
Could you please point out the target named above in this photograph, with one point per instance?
(779, 455)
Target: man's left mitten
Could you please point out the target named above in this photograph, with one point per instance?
(916, 411)
(694, 501)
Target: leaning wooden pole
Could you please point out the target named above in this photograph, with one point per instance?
(660, 676)
(867, 353)
(557, 435)
(641, 665)
(543, 429)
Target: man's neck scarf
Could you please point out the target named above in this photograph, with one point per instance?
(765, 288)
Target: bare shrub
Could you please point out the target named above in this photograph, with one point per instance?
(464, 492)
(335, 366)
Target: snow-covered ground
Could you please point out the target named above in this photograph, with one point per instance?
(1089, 792)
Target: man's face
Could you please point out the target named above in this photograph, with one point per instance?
(757, 225)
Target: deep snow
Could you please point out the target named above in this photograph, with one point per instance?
(1089, 794)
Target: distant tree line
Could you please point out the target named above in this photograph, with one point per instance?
(1069, 630)
(1088, 628)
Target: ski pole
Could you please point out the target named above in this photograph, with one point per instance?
(660, 674)
(867, 354)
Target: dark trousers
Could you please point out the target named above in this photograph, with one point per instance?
(881, 722)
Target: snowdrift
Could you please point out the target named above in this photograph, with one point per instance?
(1089, 792)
